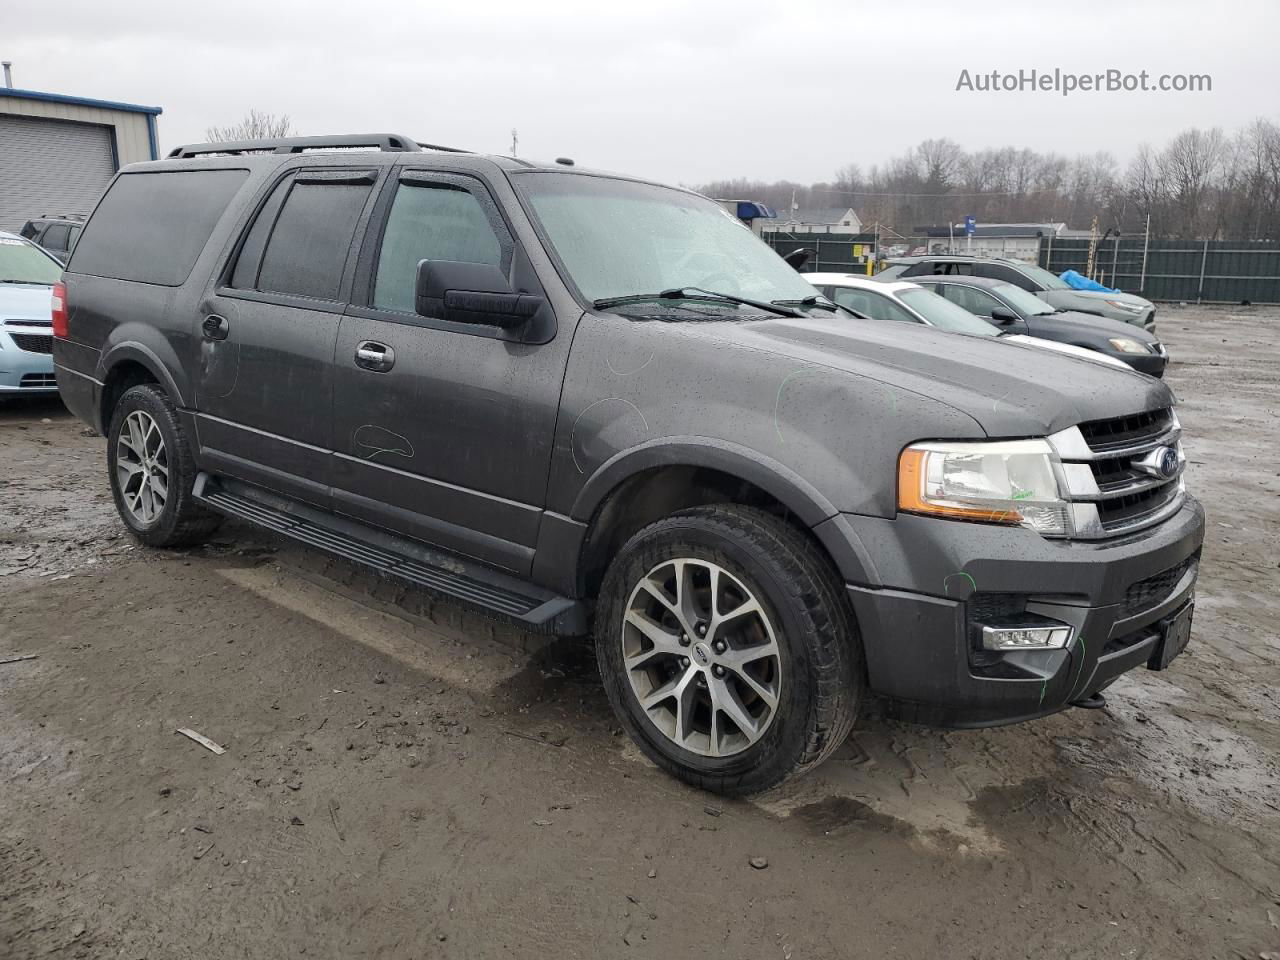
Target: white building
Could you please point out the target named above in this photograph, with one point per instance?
(57, 152)
(828, 220)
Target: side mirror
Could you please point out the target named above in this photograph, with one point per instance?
(798, 258)
(471, 293)
(1003, 317)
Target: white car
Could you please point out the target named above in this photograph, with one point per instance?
(27, 276)
(908, 302)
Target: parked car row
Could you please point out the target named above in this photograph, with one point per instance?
(984, 307)
(1053, 290)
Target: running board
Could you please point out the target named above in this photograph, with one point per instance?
(394, 556)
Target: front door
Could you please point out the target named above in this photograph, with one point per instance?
(443, 431)
(264, 399)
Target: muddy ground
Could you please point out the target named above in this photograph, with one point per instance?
(403, 779)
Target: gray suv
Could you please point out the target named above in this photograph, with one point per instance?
(588, 403)
(1050, 288)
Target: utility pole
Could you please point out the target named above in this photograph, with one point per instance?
(515, 140)
(1146, 243)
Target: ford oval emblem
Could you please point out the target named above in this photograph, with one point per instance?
(1161, 462)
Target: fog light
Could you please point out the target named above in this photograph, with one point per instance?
(1025, 638)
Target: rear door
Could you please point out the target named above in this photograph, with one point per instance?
(267, 333)
(449, 440)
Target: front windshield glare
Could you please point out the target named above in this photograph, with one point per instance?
(945, 315)
(617, 238)
(1022, 301)
(20, 262)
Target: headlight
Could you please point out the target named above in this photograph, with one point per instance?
(1125, 345)
(1009, 482)
(1126, 305)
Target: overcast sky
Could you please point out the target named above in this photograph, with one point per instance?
(680, 92)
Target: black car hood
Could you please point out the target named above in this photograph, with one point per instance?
(1010, 389)
(1090, 324)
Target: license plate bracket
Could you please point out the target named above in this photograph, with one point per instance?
(1175, 632)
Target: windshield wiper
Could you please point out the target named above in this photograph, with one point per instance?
(681, 293)
(811, 302)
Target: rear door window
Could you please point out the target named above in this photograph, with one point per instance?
(299, 242)
(431, 221)
(151, 227)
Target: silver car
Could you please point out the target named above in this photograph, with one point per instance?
(1052, 289)
(27, 276)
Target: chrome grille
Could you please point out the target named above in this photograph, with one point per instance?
(1111, 476)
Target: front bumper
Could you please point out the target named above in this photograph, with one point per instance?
(1152, 364)
(25, 371)
(940, 575)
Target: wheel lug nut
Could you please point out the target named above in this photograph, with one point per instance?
(719, 646)
(684, 639)
(684, 661)
(718, 670)
(702, 629)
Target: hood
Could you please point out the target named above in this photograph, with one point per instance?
(1090, 323)
(1010, 389)
(1099, 295)
(23, 301)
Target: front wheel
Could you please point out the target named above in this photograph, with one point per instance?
(152, 471)
(727, 648)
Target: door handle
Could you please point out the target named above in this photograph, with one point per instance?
(377, 357)
(215, 327)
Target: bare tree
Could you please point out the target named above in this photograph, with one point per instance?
(255, 126)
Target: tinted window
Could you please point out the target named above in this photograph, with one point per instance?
(870, 304)
(55, 238)
(245, 275)
(150, 227)
(430, 222)
(944, 314)
(75, 235)
(308, 247)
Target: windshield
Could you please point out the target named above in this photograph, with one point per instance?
(1043, 277)
(1022, 301)
(21, 262)
(945, 315)
(617, 239)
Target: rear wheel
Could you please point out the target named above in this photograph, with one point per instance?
(727, 648)
(152, 471)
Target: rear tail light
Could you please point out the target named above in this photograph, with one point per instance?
(59, 304)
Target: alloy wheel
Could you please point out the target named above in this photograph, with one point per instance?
(701, 657)
(142, 467)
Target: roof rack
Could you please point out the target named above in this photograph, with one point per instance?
(62, 216)
(386, 142)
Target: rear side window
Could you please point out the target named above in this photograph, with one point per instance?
(298, 244)
(151, 227)
(29, 230)
(430, 222)
(55, 238)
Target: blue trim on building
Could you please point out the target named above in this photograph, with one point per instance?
(87, 102)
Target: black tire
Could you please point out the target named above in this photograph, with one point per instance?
(181, 521)
(821, 650)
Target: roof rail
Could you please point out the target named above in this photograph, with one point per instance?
(62, 216)
(386, 142)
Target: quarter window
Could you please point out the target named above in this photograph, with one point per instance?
(870, 304)
(430, 222)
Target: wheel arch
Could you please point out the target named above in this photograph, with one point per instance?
(648, 482)
(126, 365)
